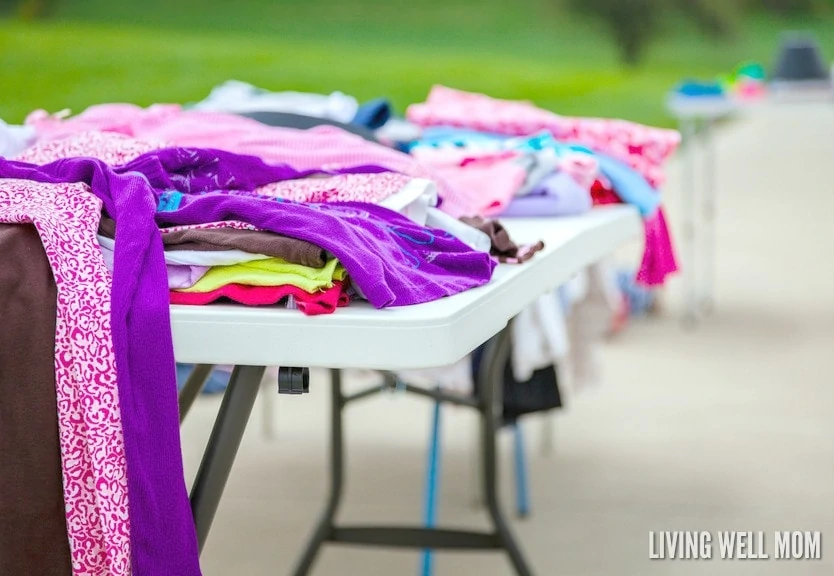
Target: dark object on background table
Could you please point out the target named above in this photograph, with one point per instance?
(287, 120)
(800, 60)
(538, 394)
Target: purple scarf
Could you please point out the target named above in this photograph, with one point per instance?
(393, 261)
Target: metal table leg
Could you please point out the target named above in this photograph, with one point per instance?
(193, 386)
(491, 391)
(491, 382)
(268, 413)
(690, 206)
(222, 447)
(709, 212)
(325, 526)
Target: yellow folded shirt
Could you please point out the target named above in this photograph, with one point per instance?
(270, 272)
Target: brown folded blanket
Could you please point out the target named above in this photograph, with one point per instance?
(33, 530)
(255, 242)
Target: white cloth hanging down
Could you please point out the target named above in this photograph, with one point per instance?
(241, 97)
(589, 322)
(539, 336)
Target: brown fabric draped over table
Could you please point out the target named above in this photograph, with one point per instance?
(33, 531)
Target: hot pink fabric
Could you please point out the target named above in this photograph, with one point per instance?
(324, 302)
(344, 188)
(642, 147)
(89, 421)
(114, 149)
(320, 148)
(659, 255)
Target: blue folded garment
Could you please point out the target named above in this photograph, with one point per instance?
(640, 299)
(373, 114)
(694, 88)
(629, 185)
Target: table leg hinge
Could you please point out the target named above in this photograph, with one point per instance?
(293, 380)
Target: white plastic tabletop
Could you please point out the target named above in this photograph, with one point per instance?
(426, 335)
(709, 107)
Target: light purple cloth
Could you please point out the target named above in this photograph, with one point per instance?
(179, 276)
(557, 194)
(395, 262)
(182, 276)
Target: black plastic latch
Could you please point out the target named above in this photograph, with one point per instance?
(293, 380)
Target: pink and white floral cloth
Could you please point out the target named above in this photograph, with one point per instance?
(342, 188)
(643, 148)
(112, 148)
(89, 420)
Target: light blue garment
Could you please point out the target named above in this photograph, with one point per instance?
(629, 185)
(443, 137)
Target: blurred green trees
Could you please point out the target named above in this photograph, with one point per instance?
(634, 24)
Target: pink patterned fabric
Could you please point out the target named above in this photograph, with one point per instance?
(114, 149)
(92, 444)
(643, 148)
(582, 167)
(484, 182)
(320, 148)
(344, 188)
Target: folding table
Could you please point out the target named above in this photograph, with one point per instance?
(689, 112)
(434, 334)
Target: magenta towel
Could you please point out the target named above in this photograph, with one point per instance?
(658, 255)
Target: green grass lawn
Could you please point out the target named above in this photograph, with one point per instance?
(93, 51)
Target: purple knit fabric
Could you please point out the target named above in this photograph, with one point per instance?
(393, 260)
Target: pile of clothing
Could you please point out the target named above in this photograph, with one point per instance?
(307, 201)
(746, 82)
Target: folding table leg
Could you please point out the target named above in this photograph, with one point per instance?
(709, 209)
(222, 446)
(691, 276)
(490, 389)
(325, 525)
(192, 387)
